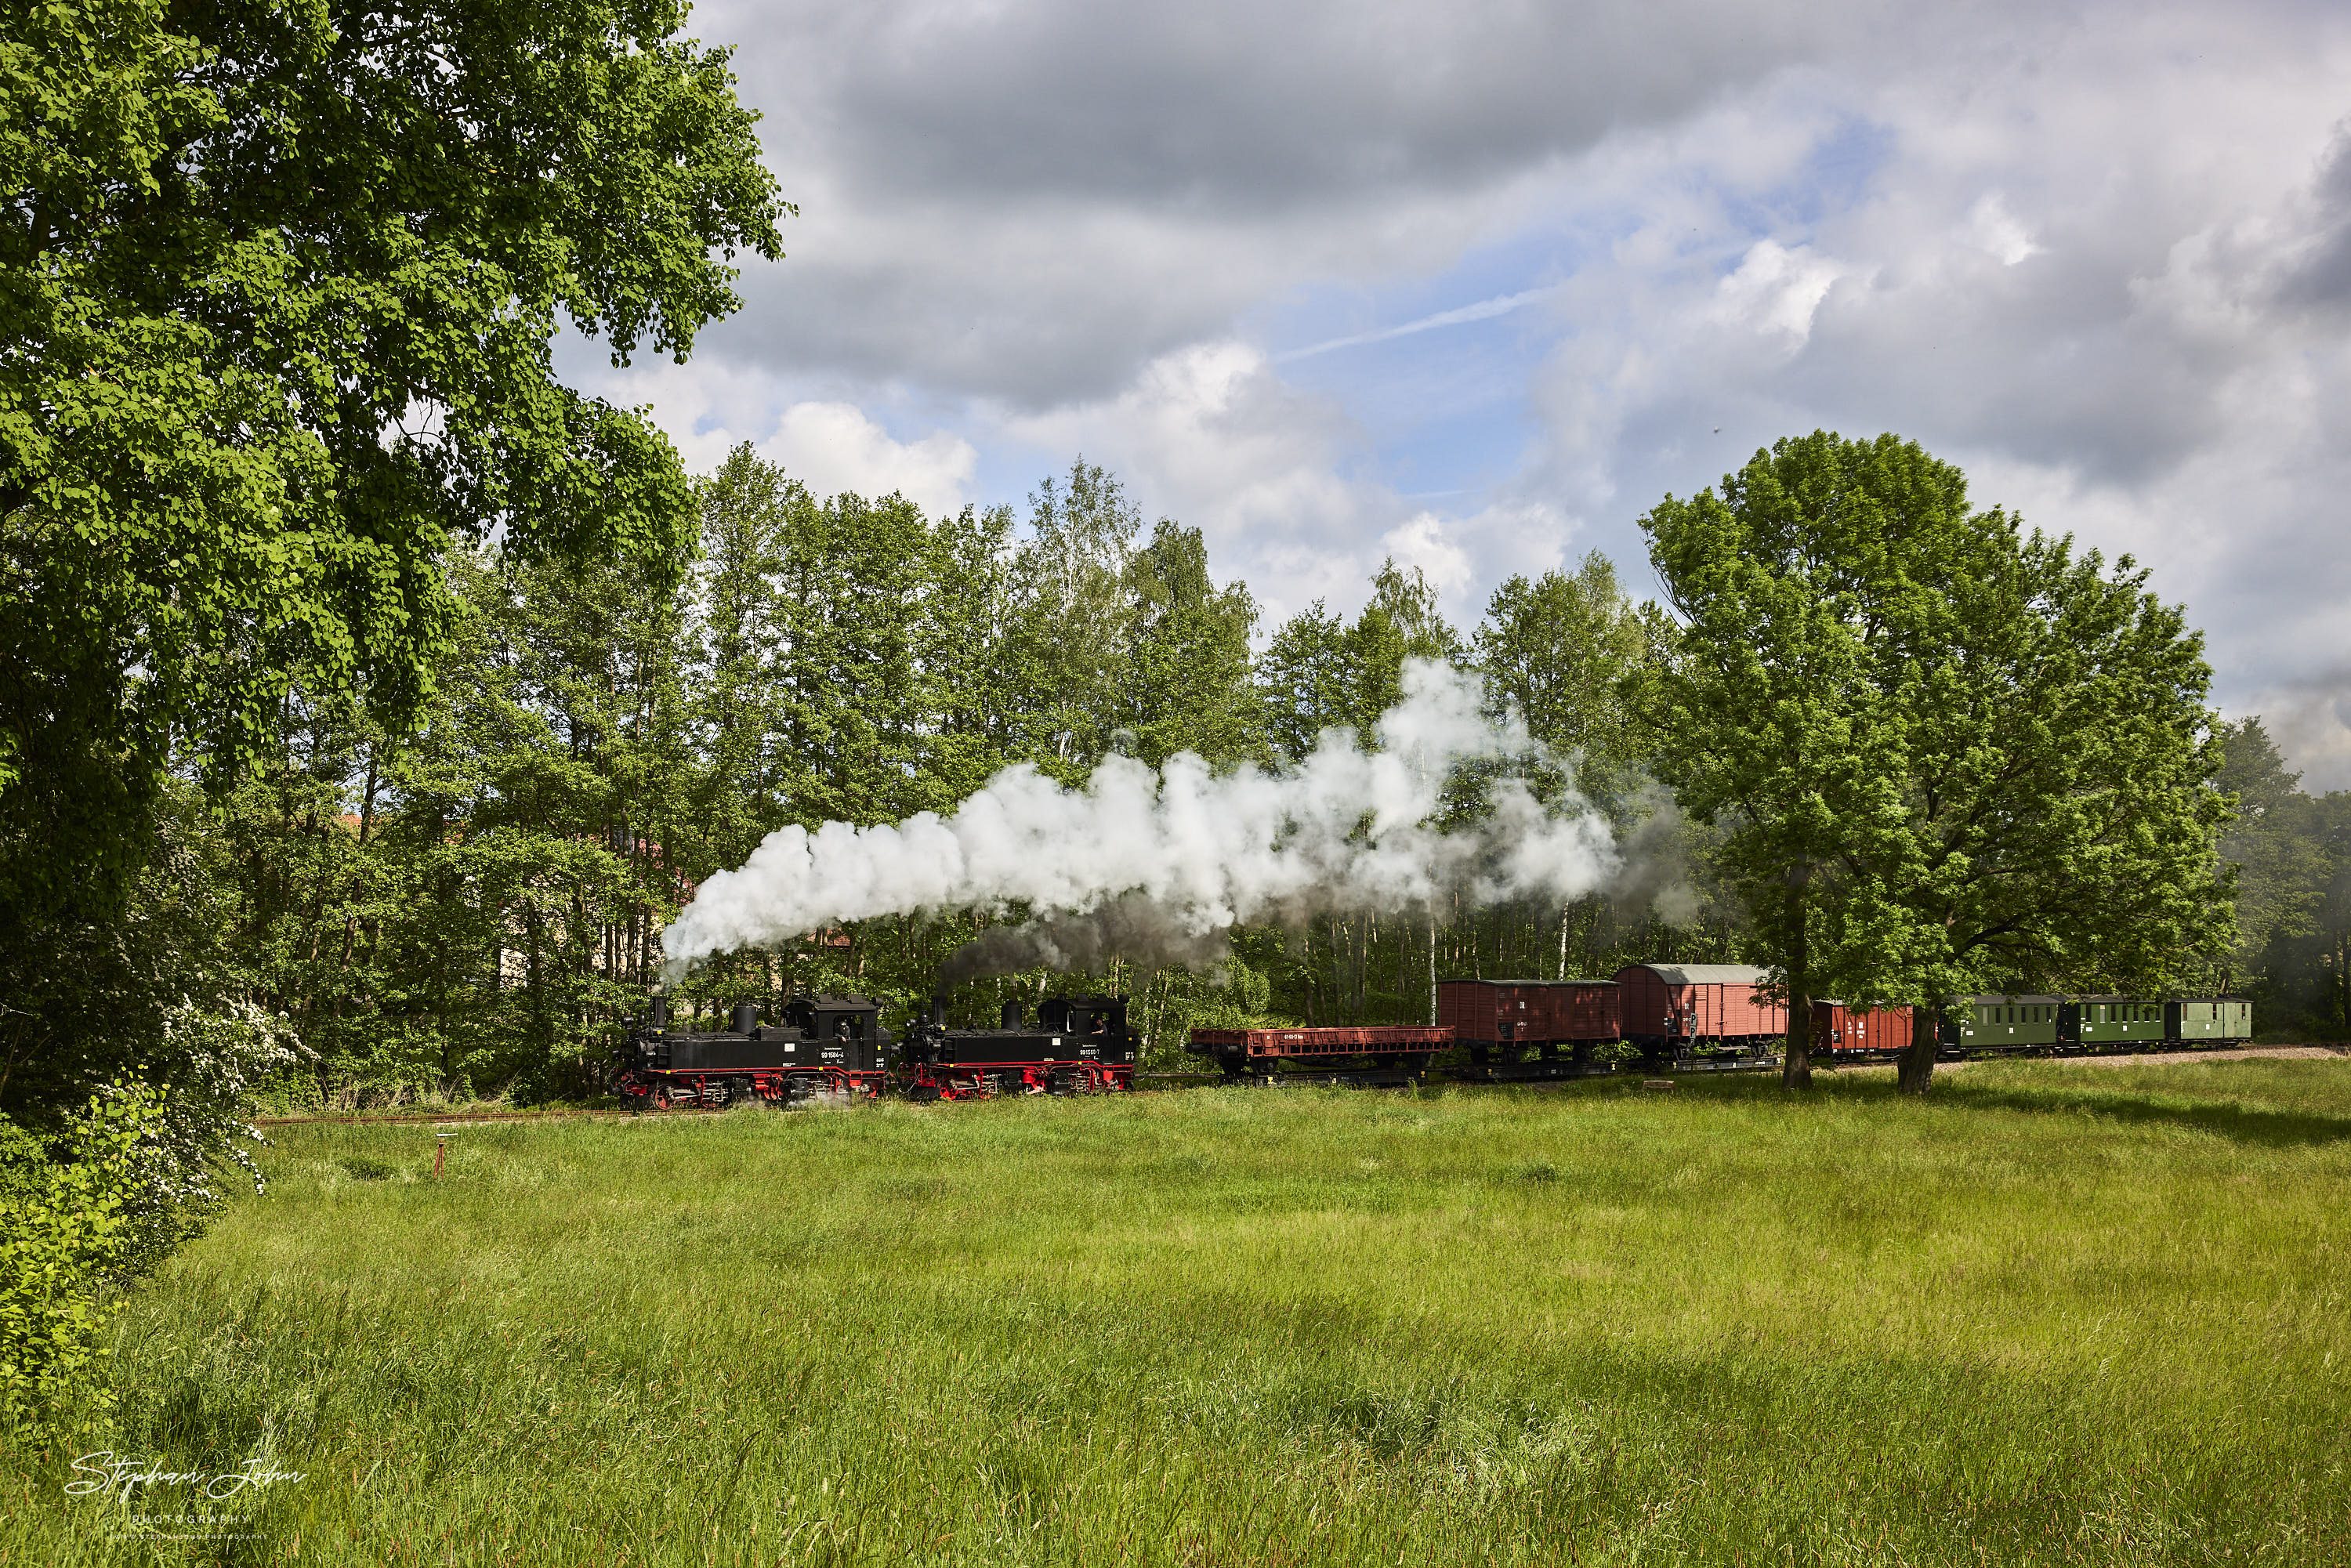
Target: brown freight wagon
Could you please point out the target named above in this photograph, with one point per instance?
(1681, 1011)
(1262, 1050)
(1501, 1020)
(1851, 1031)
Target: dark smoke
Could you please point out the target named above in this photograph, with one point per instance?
(1130, 927)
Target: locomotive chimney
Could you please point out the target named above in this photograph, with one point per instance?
(746, 1018)
(1012, 1013)
(657, 1011)
(939, 1012)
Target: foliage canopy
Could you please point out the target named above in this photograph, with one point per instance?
(280, 286)
(1945, 756)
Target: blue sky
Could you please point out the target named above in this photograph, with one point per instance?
(1474, 286)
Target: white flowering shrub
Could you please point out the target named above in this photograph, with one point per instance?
(214, 1063)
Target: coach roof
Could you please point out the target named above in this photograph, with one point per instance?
(1707, 974)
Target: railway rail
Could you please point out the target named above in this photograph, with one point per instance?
(1500, 1074)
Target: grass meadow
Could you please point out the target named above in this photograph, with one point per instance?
(2053, 1315)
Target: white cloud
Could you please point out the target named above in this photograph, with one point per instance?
(1424, 541)
(1776, 290)
(833, 447)
(1997, 232)
(1212, 437)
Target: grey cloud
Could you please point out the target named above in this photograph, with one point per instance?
(1241, 105)
(2321, 275)
(1028, 202)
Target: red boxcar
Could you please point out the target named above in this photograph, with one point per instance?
(1495, 1012)
(1528, 1012)
(1585, 1010)
(1680, 1009)
(1843, 1029)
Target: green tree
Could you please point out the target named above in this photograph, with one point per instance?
(1304, 682)
(280, 289)
(539, 808)
(1187, 685)
(740, 623)
(1321, 671)
(2281, 865)
(1561, 650)
(1072, 620)
(1567, 652)
(1940, 755)
(968, 626)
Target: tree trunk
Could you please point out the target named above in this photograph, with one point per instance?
(1916, 1073)
(1796, 1072)
(1432, 966)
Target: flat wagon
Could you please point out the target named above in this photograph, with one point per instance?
(1368, 1053)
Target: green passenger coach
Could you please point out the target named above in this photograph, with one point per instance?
(2119, 1022)
(2066, 1024)
(2008, 1023)
(2194, 1018)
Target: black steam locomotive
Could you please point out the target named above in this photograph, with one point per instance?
(832, 1046)
(836, 1048)
(1080, 1045)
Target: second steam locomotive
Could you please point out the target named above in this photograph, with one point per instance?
(837, 1048)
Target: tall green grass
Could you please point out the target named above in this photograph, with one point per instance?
(2042, 1317)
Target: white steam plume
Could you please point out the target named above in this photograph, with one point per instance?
(1346, 831)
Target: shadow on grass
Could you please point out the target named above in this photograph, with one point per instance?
(2241, 1124)
(2267, 1127)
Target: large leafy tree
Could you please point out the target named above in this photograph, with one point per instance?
(278, 285)
(1943, 755)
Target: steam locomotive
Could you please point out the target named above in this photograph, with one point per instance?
(1079, 1045)
(836, 1048)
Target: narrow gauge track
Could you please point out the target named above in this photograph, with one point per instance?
(454, 1117)
(1370, 1079)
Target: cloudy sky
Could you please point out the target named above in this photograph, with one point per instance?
(1474, 284)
